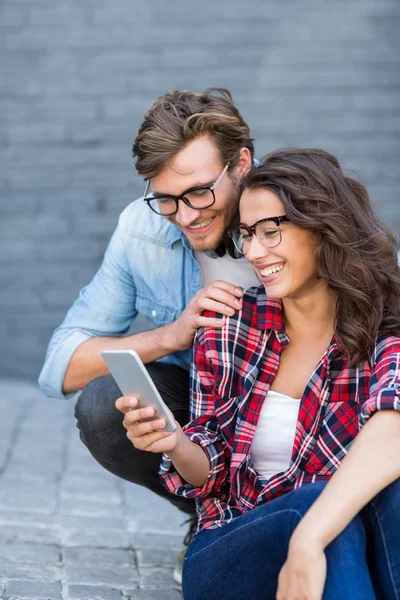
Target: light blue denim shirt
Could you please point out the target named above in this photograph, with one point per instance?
(148, 268)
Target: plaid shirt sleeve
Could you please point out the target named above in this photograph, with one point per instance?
(203, 430)
(384, 386)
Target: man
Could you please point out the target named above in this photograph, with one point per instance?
(169, 260)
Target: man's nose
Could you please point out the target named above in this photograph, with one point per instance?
(186, 215)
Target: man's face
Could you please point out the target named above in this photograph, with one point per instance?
(199, 164)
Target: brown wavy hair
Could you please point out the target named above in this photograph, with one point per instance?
(179, 117)
(357, 255)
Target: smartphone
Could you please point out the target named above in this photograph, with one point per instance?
(133, 380)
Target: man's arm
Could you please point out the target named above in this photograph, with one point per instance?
(87, 363)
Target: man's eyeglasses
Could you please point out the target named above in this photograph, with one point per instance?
(267, 231)
(197, 198)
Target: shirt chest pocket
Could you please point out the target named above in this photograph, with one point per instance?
(157, 313)
(226, 412)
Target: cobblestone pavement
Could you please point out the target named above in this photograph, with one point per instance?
(68, 529)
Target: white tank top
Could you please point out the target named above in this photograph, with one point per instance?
(233, 270)
(272, 444)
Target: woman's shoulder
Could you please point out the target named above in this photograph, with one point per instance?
(386, 344)
(257, 312)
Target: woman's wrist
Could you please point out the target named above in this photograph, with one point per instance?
(181, 439)
(309, 534)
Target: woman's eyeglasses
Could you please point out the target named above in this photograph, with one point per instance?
(267, 231)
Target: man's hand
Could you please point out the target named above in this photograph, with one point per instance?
(303, 575)
(145, 434)
(220, 297)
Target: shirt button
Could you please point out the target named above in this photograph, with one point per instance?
(153, 313)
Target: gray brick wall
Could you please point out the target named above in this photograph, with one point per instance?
(76, 78)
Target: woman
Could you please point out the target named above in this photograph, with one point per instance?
(293, 450)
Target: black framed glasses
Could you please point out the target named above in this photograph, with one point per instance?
(197, 198)
(267, 231)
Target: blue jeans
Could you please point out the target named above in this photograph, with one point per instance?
(242, 560)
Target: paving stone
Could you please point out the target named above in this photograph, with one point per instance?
(157, 579)
(33, 590)
(166, 542)
(91, 592)
(153, 595)
(156, 557)
(10, 534)
(104, 566)
(99, 538)
(36, 496)
(30, 562)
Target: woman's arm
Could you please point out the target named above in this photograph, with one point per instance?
(372, 463)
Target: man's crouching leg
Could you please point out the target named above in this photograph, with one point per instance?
(102, 432)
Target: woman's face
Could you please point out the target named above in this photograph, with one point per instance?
(289, 270)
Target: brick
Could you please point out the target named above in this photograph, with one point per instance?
(157, 579)
(111, 567)
(33, 590)
(91, 592)
(155, 557)
(153, 594)
(10, 533)
(21, 494)
(32, 562)
(97, 538)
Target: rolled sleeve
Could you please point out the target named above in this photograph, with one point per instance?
(215, 452)
(204, 430)
(105, 307)
(52, 375)
(384, 392)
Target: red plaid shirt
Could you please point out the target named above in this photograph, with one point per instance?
(232, 371)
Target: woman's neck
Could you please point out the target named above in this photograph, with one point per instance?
(312, 314)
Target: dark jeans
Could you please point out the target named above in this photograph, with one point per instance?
(242, 560)
(102, 432)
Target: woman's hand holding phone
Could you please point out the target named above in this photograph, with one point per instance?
(143, 431)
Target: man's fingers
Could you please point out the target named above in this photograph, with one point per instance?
(219, 295)
(218, 307)
(234, 290)
(208, 322)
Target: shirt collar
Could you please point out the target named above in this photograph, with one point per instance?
(270, 316)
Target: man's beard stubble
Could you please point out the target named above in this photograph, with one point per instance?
(230, 218)
(230, 215)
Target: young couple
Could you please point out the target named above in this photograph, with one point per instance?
(296, 371)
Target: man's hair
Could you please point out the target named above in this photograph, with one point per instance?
(178, 117)
(357, 255)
